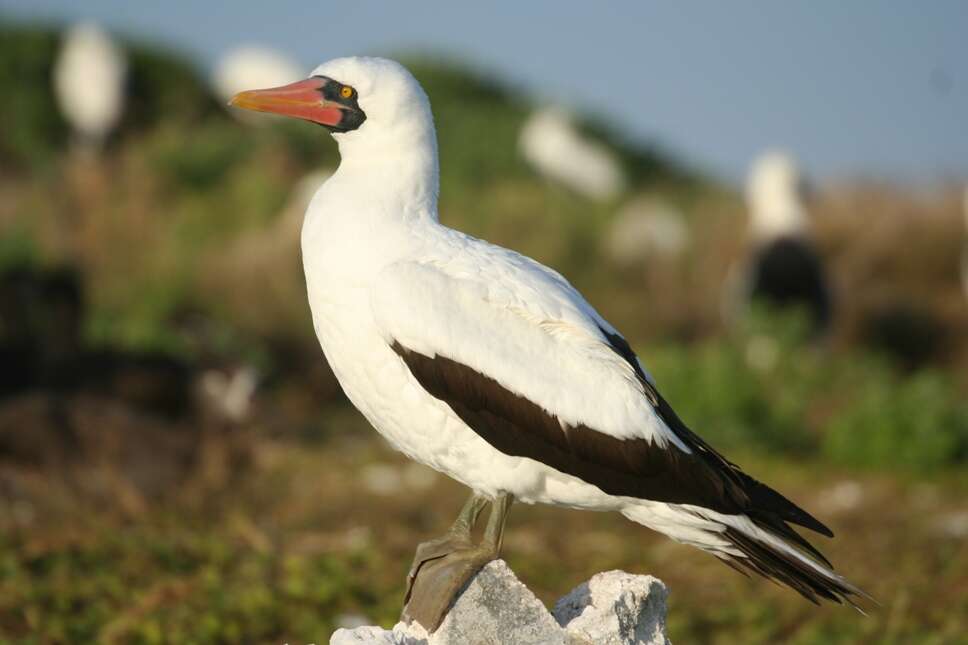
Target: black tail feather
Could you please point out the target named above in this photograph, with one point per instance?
(772, 524)
(774, 564)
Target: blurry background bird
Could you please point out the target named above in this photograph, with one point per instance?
(89, 81)
(783, 269)
(252, 66)
(552, 143)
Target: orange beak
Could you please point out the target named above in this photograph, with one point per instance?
(302, 100)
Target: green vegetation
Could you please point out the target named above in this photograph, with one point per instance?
(190, 586)
(852, 410)
(281, 556)
(25, 72)
(771, 392)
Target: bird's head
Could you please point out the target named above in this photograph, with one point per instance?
(356, 99)
(776, 195)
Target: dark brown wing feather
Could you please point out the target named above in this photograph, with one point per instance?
(763, 500)
(633, 467)
(623, 467)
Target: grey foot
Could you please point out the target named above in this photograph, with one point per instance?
(433, 550)
(437, 582)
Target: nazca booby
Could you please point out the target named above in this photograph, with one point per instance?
(248, 65)
(89, 82)
(491, 368)
(784, 269)
(551, 142)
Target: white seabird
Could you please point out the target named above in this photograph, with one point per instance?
(784, 268)
(551, 143)
(491, 368)
(89, 83)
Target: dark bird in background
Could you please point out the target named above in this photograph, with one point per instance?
(783, 269)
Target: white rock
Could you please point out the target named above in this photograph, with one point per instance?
(368, 635)
(615, 608)
(496, 608)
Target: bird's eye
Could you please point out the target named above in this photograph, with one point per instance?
(347, 92)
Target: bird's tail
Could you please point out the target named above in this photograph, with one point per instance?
(748, 546)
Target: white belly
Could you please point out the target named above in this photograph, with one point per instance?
(380, 385)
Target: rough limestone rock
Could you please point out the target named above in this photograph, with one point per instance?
(615, 608)
(496, 609)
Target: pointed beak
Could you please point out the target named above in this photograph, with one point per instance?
(301, 100)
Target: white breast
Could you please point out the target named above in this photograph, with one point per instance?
(380, 385)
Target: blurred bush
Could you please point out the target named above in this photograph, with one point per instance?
(919, 423)
(26, 61)
(766, 390)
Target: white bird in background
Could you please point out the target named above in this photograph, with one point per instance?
(89, 83)
(774, 195)
(491, 368)
(784, 269)
(551, 142)
(250, 65)
(646, 227)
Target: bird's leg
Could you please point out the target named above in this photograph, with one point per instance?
(494, 532)
(458, 536)
(437, 582)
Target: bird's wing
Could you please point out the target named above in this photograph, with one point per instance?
(530, 366)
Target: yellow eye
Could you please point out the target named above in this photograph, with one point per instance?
(347, 92)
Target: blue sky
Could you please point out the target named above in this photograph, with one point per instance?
(854, 89)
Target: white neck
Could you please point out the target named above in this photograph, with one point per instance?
(364, 217)
(394, 175)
